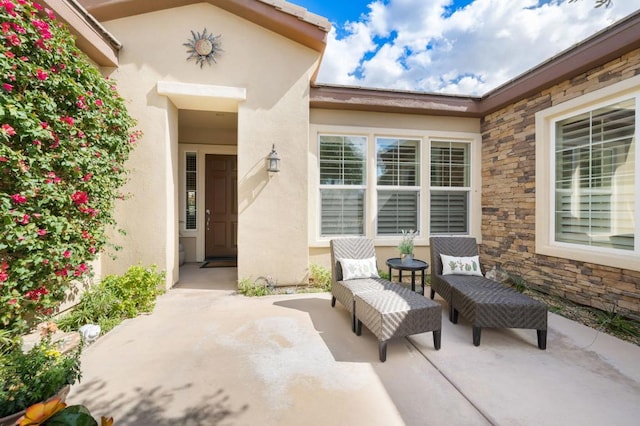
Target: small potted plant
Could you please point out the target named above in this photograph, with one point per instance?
(36, 375)
(406, 245)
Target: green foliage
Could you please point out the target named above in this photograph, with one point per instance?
(519, 282)
(74, 415)
(259, 287)
(136, 290)
(116, 298)
(321, 277)
(407, 244)
(27, 378)
(617, 324)
(65, 136)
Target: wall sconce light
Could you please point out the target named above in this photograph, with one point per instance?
(273, 161)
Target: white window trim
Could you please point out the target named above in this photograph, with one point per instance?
(371, 133)
(475, 174)
(545, 169)
(376, 188)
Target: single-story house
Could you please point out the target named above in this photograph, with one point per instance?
(542, 170)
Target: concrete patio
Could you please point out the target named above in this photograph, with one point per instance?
(207, 356)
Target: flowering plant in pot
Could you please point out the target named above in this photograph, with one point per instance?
(65, 136)
(27, 377)
(407, 245)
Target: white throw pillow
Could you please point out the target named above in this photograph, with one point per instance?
(452, 265)
(359, 268)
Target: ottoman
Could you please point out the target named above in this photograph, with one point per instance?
(500, 307)
(397, 313)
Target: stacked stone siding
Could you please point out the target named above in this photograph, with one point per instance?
(508, 199)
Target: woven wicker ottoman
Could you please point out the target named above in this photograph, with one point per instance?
(498, 306)
(397, 313)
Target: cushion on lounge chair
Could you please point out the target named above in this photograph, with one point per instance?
(460, 265)
(359, 268)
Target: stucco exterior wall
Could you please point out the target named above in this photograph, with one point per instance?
(509, 199)
(275, 72)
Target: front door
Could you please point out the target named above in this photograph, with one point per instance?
(221, 206)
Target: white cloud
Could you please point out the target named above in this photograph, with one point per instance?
(415, 45)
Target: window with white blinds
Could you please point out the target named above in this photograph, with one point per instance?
(191, 179)
(398, 185)
(450, 187)
(342, 184)
(595, 177)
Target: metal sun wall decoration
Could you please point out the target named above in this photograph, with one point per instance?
(204, 47)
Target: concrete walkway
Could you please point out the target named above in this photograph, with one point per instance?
(207, 356)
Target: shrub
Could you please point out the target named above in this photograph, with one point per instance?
(116, 298)
(27, 378)
(321, 277)
(65, 136)
(259, 287)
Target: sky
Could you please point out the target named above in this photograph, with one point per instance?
(466, 47)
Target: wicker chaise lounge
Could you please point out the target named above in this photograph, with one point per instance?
(484, 302)
(343, 290)
(388, 310)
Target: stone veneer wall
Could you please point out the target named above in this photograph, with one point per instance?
(508, 200)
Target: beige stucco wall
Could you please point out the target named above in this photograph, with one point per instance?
(372, 124)
(275, 72)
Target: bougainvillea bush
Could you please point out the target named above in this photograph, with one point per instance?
(65, 136)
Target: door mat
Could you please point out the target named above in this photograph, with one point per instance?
(220, 262)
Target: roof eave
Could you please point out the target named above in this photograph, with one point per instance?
(602, 47)
(100, 46)
(366, 99)
(281, 17)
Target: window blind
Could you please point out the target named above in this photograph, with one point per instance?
(595, 177)
(397, 210)
(191, 179)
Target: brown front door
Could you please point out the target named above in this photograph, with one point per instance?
(221, 206)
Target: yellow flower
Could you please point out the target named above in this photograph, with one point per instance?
(40, 412)
(52, 353)
(106, 421)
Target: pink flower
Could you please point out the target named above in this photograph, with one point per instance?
(42, 75)
(3, 159)
(80, 197)
(8, 130)
(43, 28)
(19, 198)
(18, 28)
(8, 87)
(62, 272)
(24, 220)
(98, 102)
(66, 254)
(45, 261)
(80, 269)
(41, 45)
(42, 232)
(52, 16)
(92, 250)
(9, 54)
(13, 301)
(87, 177)
(9, 6)
(6, 27)
(36, 294)
(67, 119)
(3, 272)
(52, 178)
